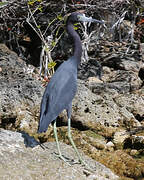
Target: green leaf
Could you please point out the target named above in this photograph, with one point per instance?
(40, 9)
(59, 17)
(31, 2)
(76, 26)
(3, 3)
(53, 43)
(38, 26)
(51, 65)
(46, 48)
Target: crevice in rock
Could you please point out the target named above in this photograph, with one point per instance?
(87, 110)
(74, 124)
(133, 144)
(127, 143)
(139, 117)
(8, 123)
(78, 125)
(141, 74)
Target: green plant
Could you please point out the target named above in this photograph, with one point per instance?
(48, 42)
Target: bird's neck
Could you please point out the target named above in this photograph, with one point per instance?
(77, 42)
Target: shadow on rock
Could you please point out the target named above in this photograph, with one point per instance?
(30, 141)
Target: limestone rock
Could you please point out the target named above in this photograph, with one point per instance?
(19, 162)
(119, 138)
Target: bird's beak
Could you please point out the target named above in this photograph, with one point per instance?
(83, 18)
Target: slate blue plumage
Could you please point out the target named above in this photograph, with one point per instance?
(62, 87)
(58, 94)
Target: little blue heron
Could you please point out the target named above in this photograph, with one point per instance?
(62, 87)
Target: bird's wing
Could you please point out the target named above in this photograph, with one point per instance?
(64, 93)
(44, 106)
(57, 96)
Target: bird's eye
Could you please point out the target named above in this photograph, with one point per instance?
(79, 17)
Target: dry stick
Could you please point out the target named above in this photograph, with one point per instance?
(42, 39)
(40, 33)
(49, 26)
(43, 57)
(86, 41)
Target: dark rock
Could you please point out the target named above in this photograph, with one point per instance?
(92, 68)
(18, 89)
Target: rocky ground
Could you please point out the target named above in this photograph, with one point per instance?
(108, 113)
(19, 162)
(107, 120)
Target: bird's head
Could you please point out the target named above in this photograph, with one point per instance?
(76, 17)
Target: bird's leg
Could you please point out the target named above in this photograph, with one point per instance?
(56, 138)
(69, 133)
(75, 148)
(72, 142)
(58, 147)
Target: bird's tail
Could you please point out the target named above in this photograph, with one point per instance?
(43, 124)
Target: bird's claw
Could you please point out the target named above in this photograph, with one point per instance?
(70, 162)
(85, 165)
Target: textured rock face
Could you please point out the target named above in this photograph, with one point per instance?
(102, 109)
(108, 108)
(93, 108)
(98, 102)
(20, 93)
(19, 162)
(20, 96)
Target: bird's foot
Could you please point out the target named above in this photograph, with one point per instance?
(86, 166)
(63, 158)
(70, 162)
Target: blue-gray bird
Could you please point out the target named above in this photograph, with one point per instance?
(62, 87)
